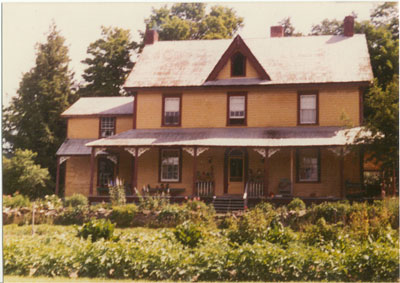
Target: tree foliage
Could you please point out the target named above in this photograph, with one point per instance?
(109, 63)
(185, 21)
(32, 121)
(21, 174)
(288, 28)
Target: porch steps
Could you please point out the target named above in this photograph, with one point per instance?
(228, 204)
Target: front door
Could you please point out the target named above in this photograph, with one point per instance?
(236, 172)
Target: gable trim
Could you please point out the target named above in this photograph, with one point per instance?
(238, 45)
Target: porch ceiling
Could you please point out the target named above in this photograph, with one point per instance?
(255, 137)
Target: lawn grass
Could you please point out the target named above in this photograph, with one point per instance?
(62, 279)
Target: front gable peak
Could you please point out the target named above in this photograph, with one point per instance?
(238, 53)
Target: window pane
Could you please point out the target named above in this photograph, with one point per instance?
(107, 126)
(106, 172)
(238, 67)
(170, 165)
(308, 165)
(237, 107)
(171, 111)
(308, 109)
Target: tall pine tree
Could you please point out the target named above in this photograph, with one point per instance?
(32, 121)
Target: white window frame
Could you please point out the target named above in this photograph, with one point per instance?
(107, 124)
(170, 163)
(303, 108)
(173, 112)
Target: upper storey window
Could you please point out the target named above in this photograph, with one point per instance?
(308, 109)
(171, 110)
(238, 65)
(237, 109)
(107, 126)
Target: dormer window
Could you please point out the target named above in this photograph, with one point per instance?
(107, 126)
(238, 65)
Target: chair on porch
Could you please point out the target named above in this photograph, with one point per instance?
(285, 187)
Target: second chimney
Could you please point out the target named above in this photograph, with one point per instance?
(348, 26)
(277, 31)
(150, 36)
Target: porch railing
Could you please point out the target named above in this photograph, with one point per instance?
(255, 189)
(205, 188)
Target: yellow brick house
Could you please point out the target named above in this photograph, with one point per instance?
(256, 119)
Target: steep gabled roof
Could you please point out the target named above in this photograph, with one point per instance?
(238, 45)
(287, 60)
(100, 106)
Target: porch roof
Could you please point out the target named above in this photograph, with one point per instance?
(240, 137)
(74, 147)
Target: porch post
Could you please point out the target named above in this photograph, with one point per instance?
(135, 168)
(58, 176)
(194, 171)
(291, 170)
(92, 157)
(266, 173)
(341, 166)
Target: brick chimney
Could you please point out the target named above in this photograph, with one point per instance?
(348, 26)
(277, 31)
(150, 36)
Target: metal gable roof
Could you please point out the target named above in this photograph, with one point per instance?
(100, 106)
(257, 137)
(74, 147)
(287, 60)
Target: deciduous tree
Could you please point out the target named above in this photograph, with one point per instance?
(185, 21)
(109, 63)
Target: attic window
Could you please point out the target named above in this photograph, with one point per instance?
(238, 65)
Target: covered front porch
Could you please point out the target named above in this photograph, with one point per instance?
(183, 165)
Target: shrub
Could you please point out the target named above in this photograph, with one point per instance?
(20, 173)
(76, 200)
(278, 234)
(296, 204)
(123, 215)
(251, 226)
(320, 233)
(172, 215)
(16, 200)
(117, 193)
(332, 212)
(49, 202)
(97, 229)
(152, 203)
(188, 233)
(200, 212)
(72, 215)
(265, 206)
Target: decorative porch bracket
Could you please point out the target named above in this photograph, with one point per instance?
(100, 150)
(131, 150)
(337, 150)
(261, 151)
(113, 158)
(272, 151)
(200, 150)
(142, 150)
(63, 159)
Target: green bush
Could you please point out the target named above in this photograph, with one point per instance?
(320, 234)
(72, 215)
(97, 229)
(332, 212)
(16, 200)
(278, 234)
(49, 202)
(189, 234)
(76, 200)
(296, 204)
(21, 174)
(172, 215)
(123, 216)
(200, 212)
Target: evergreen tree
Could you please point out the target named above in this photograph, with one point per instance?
(109, 63)
(187, 21)
(32, 121)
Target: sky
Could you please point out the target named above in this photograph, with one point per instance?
(26, 24)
